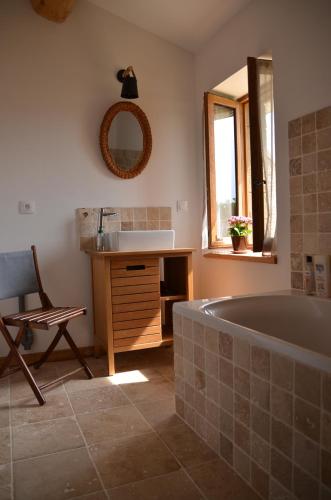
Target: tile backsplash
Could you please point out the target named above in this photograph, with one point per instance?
(310, 189)
(126, 219)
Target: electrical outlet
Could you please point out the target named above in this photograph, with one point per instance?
(27, 207)
(182, 205)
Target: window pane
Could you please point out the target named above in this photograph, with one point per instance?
(225, 167)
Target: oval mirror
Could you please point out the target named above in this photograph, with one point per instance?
(125, 139)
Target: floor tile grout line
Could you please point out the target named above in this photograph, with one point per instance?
(170, 451)
(11, 445)
(49, 454)
(87, 447)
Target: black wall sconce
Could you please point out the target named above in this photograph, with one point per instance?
(128, 78)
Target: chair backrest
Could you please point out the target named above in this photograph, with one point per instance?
(17, 274)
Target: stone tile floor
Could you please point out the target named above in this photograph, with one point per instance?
(114, 438)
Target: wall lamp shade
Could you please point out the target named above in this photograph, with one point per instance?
(129, 83)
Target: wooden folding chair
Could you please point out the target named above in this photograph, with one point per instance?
(19, 276)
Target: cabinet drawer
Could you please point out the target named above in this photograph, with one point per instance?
(136, 323)
(132, 315)
(131, 265)
(137, 332)
(135, 289)
(145, 339)
(136, 280)
(136, 297)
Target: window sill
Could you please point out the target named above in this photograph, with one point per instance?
(250, 256)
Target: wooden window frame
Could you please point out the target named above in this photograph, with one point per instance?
(209, 101)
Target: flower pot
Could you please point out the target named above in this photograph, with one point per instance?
(239, 244)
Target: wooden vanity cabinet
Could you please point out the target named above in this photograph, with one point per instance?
(133, 294)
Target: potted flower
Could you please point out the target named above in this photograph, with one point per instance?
(239, 230)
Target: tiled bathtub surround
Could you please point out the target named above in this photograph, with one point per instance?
(310, 189)
(267, 415)
(126, 219)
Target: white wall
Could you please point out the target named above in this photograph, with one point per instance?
(57, 81)
(298, 34)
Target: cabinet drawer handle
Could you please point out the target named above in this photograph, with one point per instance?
(135, 268)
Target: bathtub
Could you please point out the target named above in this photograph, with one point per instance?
(253, 380)
(287, 322)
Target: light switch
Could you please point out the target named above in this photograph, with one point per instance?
(182, 205)
(27, 207)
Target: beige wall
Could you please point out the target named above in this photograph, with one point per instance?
(57, 81)
(298, 34)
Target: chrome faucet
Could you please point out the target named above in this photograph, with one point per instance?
(100, 235)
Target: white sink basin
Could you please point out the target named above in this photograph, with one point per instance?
(142, 240)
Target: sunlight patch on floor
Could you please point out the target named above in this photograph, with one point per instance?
(130, 377)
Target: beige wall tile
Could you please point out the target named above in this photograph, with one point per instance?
(260, 362)
(281, 469)
(295, 166)
(310, 243)
(226, 345)
(242, 381)
(310, 223)
(165, 224)
(295, 147)
(126, 214)
(296, 204)
(297, 280)
(282, 437)
(187, 327)
(306, 454)
(326, 392)
(309, 143)
(324, 181)
(226, 449)
(325, 243)
(242, 437)
(139, 225)
(260, 422)
(282, 371)
(153, 225)
(213, 389)
(212, 413)
(226, 398)
(296, 223)
(282, 405)
(296, 262)
(326, 431)
(226, 424)
(260, 480)
(296, 243)
(324, 160)
(326, 468)
(165, 213)
(200, 381)
(308, 123)
(307, 419)
(323, 138)
(260, 451)
(226, 372)
(211, 340)
(309, 163)
(242, 353)
(294, 128)
(323, 117)
(309, 203)
(212, 364)
(309, 183)
(126, 226)
(200, 402)
(153, 213)
(242, 410)
(324, 223)
(188, 350)
(260, 393)
(198, 333)
(199, 356)
(304, 486)
(324, 202)
(242, 463)
(296, 185)
(140, 214)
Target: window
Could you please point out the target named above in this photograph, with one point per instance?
(240, 159)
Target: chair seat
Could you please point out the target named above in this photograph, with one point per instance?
(44, 318)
